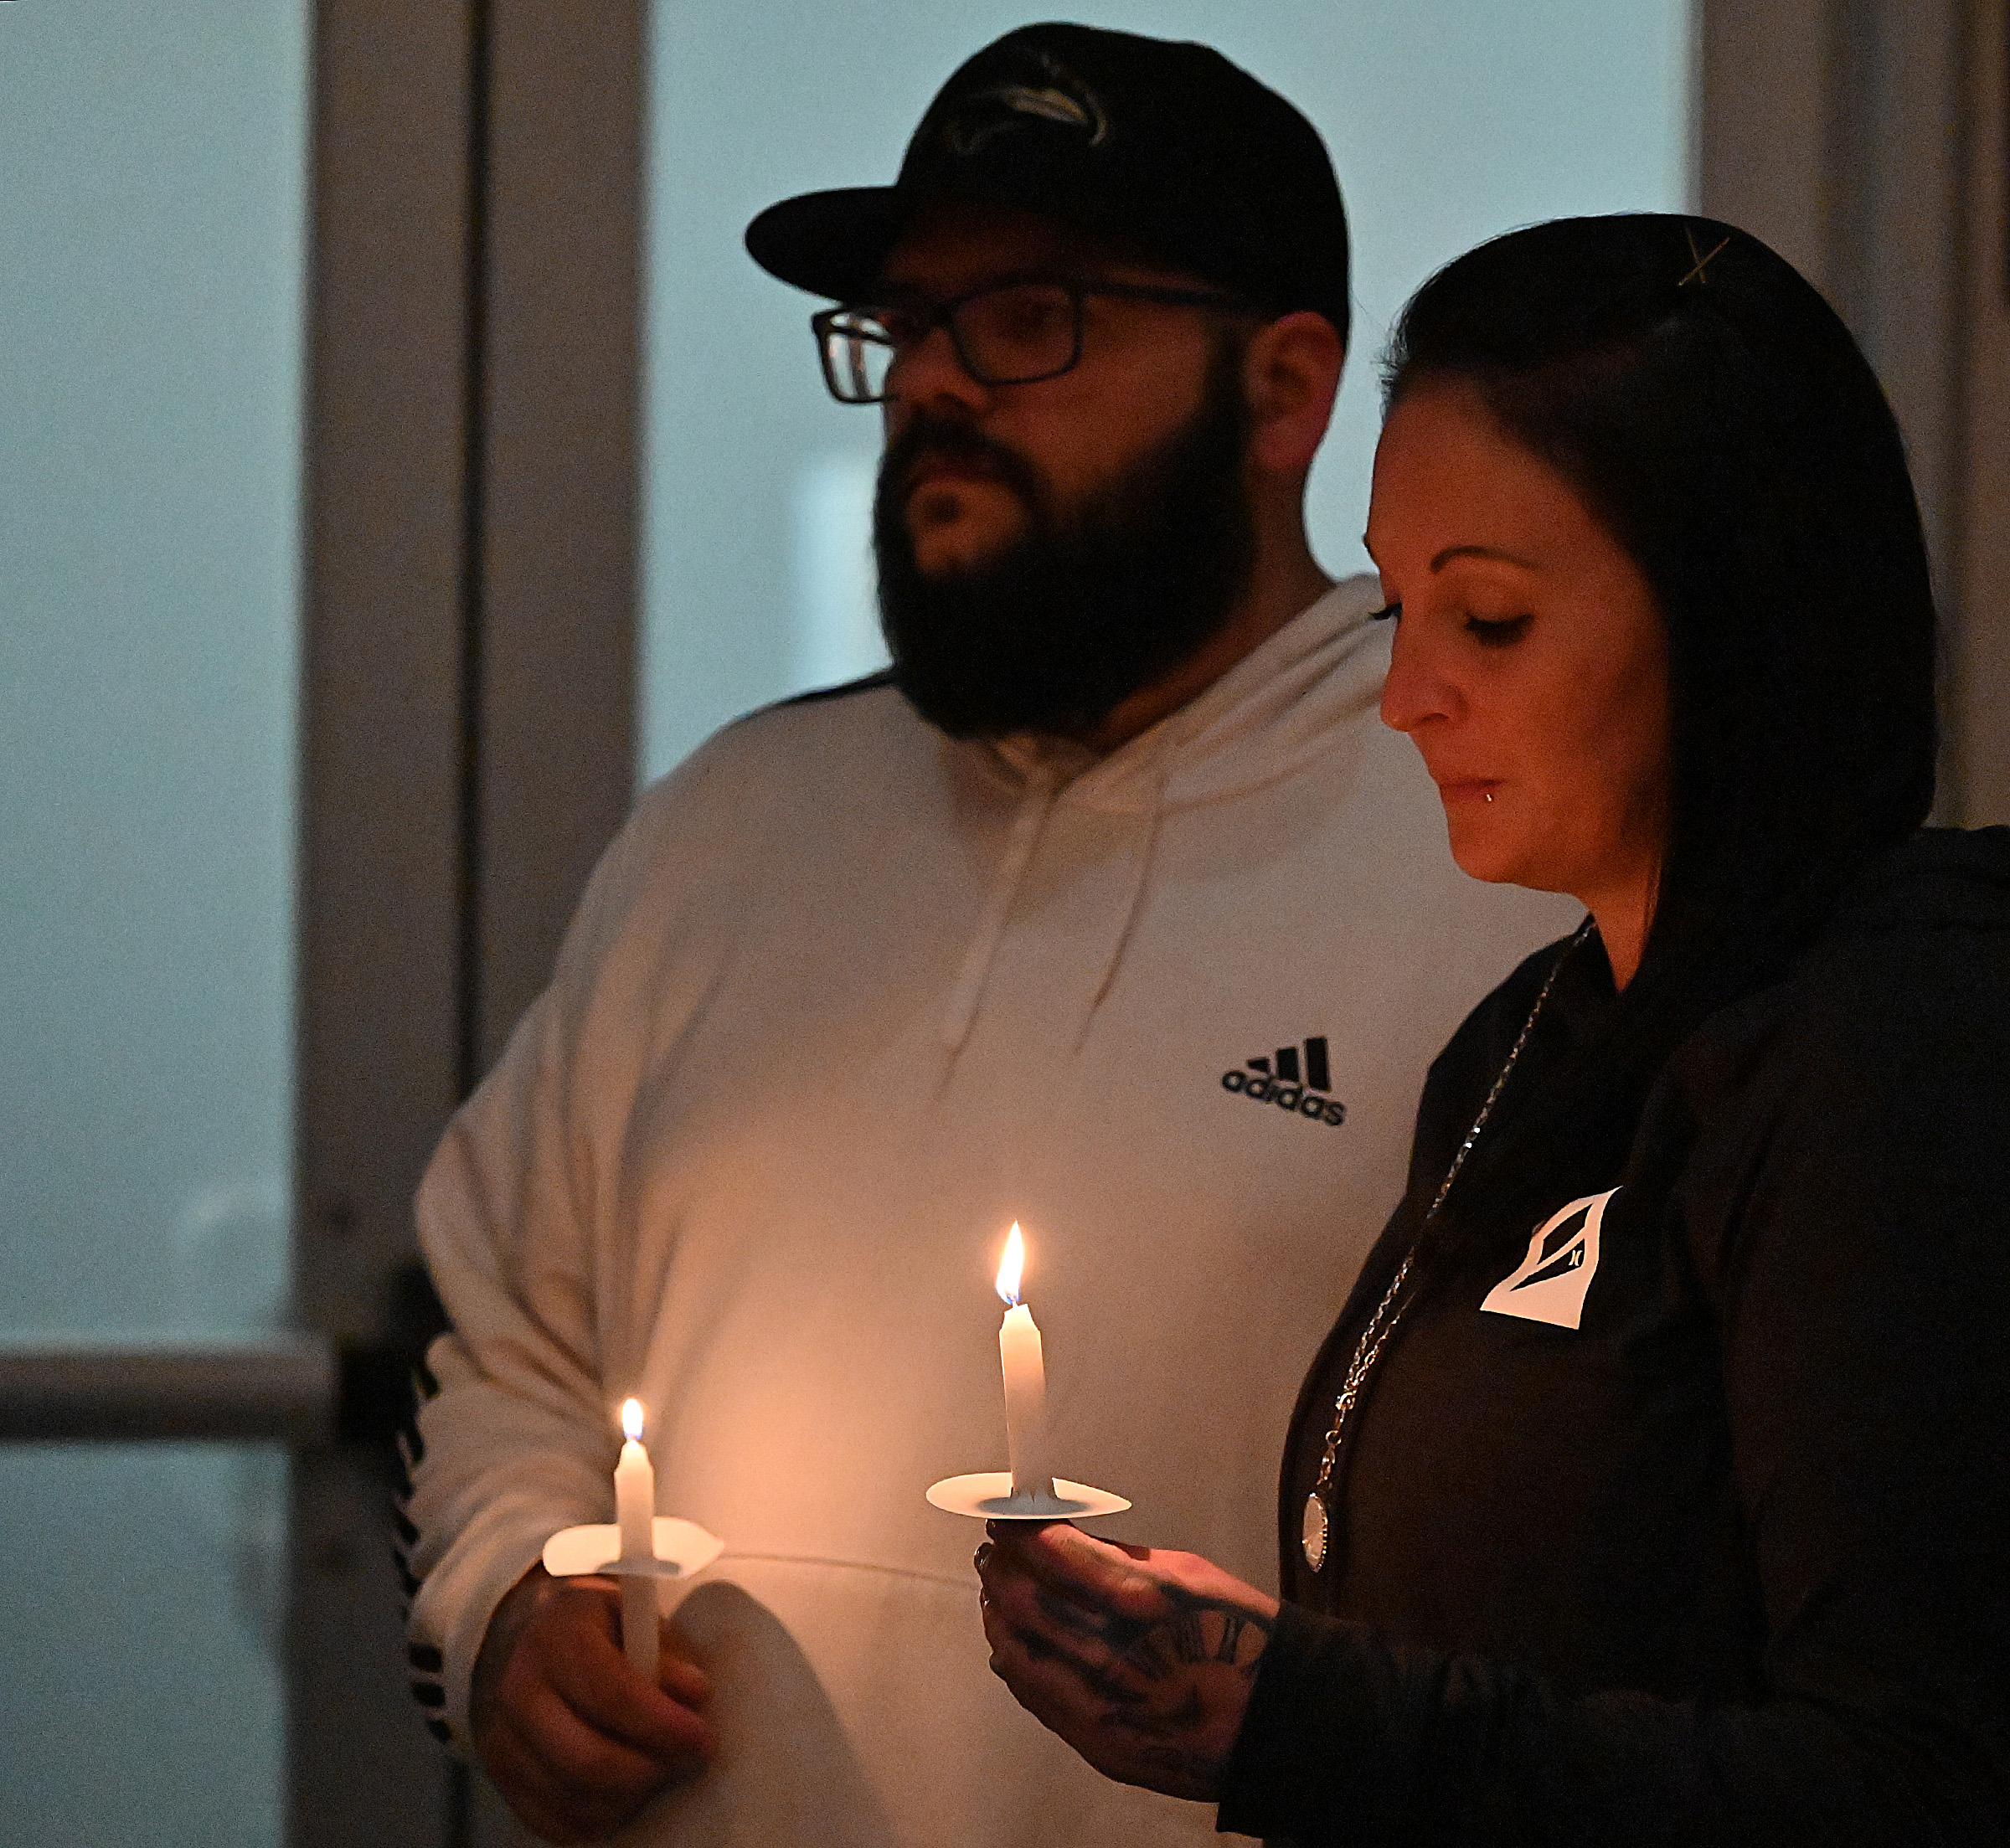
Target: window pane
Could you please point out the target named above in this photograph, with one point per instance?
(1448, 120)
(150, 307)
(140, 1640)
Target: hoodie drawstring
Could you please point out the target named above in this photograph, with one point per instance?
(1134, 905)
(1042, 785)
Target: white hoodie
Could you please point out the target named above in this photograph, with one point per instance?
(844, 999)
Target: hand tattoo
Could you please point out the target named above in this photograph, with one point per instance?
(1157, 1679)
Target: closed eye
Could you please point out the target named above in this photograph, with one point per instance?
(1496, 632)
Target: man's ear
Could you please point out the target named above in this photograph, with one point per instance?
(1291, 374)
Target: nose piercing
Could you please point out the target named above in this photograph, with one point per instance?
(1489, 795)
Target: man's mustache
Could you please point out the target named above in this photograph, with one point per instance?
(931, 438)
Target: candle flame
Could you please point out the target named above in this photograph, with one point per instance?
(632, 1420)
(1012, 1264)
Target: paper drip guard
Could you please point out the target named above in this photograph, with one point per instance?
(987, 1495)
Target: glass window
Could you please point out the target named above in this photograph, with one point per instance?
(150, 309)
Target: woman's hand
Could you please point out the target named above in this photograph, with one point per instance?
(1142, 1660)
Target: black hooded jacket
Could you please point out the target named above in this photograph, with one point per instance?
(1728, 1561)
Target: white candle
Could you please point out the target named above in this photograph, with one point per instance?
(1025, 1380)
(635, 1511)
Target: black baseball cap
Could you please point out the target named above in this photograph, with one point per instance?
(1166, 146)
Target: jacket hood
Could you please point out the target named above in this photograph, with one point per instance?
(1941, 877)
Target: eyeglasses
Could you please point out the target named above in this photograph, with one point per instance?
(1006, 333)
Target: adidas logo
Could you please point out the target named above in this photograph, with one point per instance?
(1292, 1083)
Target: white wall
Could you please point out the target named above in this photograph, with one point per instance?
(1448, 120)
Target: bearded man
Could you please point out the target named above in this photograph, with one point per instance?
(1111, 909)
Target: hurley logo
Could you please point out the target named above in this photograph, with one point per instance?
(1283, 1079)
(1549, 1285)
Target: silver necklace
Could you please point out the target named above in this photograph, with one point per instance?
(1318, 1523)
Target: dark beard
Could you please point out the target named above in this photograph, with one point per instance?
(1092, 603)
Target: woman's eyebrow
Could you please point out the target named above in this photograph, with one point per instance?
(1478, 552)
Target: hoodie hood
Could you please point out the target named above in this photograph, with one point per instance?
(1941, 877)
(1269, 716)
(1280, 709)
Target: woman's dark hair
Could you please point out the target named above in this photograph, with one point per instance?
(1712, 411)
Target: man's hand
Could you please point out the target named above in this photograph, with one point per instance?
(1142, 1660)
(575, 1739)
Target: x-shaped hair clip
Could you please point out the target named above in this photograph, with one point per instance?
(1702, 263)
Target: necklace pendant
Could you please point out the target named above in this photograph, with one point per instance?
(1312, 1536)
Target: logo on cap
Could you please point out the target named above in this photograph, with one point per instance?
(980, 117)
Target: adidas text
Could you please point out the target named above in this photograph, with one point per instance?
(1295, 1097)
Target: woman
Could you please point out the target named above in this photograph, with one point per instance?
(1652, 1485)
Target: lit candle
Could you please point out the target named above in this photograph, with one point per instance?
(1025, 1380)
(635, 1510)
